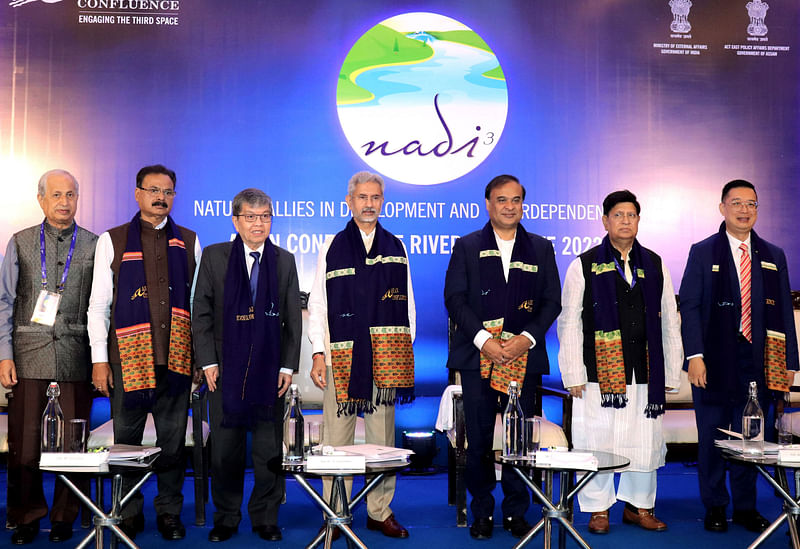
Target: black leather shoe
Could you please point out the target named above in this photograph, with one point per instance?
(482, 528)
(25, 533)
(221, 533)
(715, 520)
(518, 526)
(60, 531)
(751, 520)
(132, 525)
(269, 532)
(170, 526)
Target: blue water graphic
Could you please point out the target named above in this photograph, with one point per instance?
(454, 70)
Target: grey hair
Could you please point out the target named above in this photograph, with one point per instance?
(364, 177)
(253, 197)
(47, 174)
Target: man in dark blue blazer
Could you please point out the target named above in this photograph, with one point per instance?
(502, 293)
(730, 338)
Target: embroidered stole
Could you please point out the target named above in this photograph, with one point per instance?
(609, 359)
(368, 321)
(132, 316)
(507, 307)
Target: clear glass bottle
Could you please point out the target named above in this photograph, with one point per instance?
(53, 421)
(513, 425)
(293, 426)
(753, 425)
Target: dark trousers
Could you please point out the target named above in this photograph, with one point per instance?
(26, 499)
(480, 410)
(170, 413)
(711, 466)
(228, 459)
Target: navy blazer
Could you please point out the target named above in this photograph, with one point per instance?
(696, 302)
(462, 297)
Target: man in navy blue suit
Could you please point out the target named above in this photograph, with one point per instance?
(502, 294)
(737, 327)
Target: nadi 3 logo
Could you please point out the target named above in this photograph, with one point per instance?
(422, 98)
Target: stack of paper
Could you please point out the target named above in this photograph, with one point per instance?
(375, 453)
(132, 456)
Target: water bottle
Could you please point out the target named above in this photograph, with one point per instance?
(53, 421)
(513, 425)
(293, 425)
(753, 425)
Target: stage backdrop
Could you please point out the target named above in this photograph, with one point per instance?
(669, 99)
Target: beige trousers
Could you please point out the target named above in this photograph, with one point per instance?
(340, 431)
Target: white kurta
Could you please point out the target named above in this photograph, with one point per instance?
(624, 431)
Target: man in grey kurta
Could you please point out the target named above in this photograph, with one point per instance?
(54, 259)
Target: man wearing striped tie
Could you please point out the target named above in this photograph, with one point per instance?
(737, 327)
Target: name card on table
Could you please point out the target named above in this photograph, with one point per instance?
(356, 464)
(789, 454)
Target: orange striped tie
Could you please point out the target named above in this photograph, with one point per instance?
(744, 271)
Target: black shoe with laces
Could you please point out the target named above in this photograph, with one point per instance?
(482, 528)
(170, 526)
(518, 526)
(25, 533)
(60, 531)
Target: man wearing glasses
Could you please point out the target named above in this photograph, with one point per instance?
(362, 320)
(247, 324)
(140, 335)
(44, 284)
(737, 327)
(620, 348)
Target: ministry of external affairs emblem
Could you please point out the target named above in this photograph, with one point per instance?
(680, 16)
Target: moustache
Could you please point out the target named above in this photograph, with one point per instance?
(368, 211)
(160, 203)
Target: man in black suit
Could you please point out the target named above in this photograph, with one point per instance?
(246, 323)
(502, 293)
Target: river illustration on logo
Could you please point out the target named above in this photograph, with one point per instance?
(422, 98)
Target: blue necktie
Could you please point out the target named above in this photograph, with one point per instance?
(254, 276)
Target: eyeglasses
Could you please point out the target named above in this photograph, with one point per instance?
(250, 218)
(744, 205)
(155, 191)
(619, 216)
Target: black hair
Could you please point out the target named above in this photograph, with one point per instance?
(499, 181)
(155, 168)
(736, 183)
(620, 196)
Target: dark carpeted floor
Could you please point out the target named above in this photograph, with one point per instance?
(421, 505)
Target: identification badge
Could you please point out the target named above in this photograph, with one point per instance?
(46, 308)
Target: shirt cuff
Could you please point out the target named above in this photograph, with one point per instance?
(529, 336)
(481, 338)
(207, 366)
(100, 354)
(287, 371)
(700, 355)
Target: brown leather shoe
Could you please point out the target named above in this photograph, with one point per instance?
(644, 518)
(598, 524)
(389, 527)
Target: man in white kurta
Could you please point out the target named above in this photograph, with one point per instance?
(627, 430)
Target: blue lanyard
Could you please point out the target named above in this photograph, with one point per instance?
(44, 258)
(622, 273)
